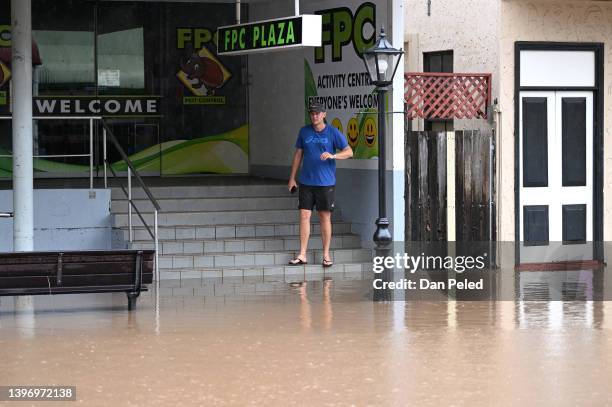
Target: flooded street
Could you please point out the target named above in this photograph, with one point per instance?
(322, 342)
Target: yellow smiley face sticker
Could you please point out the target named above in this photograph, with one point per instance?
(337, 124)
(5, 74)
(352, 132)
(369, 132)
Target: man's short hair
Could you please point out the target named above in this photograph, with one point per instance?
(315, 107)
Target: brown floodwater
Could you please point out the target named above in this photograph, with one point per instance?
(322, 342)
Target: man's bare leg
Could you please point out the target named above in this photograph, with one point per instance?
(304, 232)
(326, 232)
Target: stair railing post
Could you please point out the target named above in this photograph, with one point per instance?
(104, 156)
(91, 153)
(131, 233)
(155, 227)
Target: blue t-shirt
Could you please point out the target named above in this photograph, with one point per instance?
(316, 172)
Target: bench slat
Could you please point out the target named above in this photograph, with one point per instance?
(67, 290)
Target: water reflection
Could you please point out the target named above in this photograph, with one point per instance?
(492, 285)
(580, 285)
(322, 340)
(301, 287)
(559, 315)
(543, 299)
(24, 315)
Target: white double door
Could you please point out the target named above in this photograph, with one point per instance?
(556, 176)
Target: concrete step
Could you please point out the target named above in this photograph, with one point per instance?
(230, 231)
(218, 218)
(205, 191)
(289, 273)
(255, 283)
(209, 204)
(234, 246)
(252, 259)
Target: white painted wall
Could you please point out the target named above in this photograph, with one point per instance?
(577, 21)
(64, 219)
(470, 28)
(397, 131)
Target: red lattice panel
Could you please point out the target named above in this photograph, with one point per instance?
(447, 95)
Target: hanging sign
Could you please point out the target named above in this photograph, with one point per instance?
(270, 35)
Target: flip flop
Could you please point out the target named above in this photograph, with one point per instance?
(297, 262)
(327, 263)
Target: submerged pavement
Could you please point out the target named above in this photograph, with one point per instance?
(321, 342)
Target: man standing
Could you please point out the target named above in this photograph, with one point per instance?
(316, 146)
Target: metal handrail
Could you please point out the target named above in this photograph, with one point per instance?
(91, 141)
(133, 205)
(6, 214)
(108, 132)
(129, 163)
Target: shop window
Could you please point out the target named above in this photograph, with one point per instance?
(64, 34)
(121, 49)
(112, 50)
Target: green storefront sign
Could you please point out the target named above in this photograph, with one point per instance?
(270, 35)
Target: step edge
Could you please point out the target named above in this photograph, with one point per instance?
(283, 237)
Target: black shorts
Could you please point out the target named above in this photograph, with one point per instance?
(323, 198)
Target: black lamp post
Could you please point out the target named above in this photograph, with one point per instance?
(382, 61)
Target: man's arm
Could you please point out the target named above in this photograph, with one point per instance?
(342, 155)
(295, 165)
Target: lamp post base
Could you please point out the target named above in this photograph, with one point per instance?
(382, 236)
(382, 239)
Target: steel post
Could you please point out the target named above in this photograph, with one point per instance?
(129, 177)
(382, 236)
(91, 153)
(21, 94)
(156, 231)
(104, 157)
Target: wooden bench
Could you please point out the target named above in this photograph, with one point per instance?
(77, 272)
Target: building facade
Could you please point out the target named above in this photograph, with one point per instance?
(550, 66)
(151, 71)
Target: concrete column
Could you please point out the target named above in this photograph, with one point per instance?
(396, 120)
(23, 186)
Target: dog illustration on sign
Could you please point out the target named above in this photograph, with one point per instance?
(203, 73)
